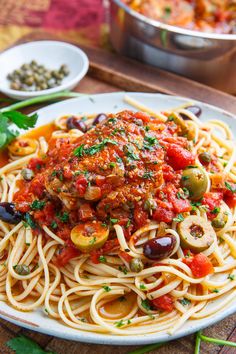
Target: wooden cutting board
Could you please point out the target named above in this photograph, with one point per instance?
(110, 73)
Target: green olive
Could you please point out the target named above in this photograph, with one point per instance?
(89, 236)
(195, 180)
(180, 122)
(136, 265)
(22, 269)
(196, 233)
(205, 157)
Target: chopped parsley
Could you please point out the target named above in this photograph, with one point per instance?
(184, 178)
(230, 188)
(81, 151)
(112, 164)
(142, 287)
(231, 276)
(54, 225)
(128, 224)
(123, 269)
(37, 205)
(119, 323)
(92, 242)
(216, 210)
(114, 221)
(179, 218)
(215, 290)
(102, 259)
(29, 221)
(63, 217)
(185, 301)
(130, 153)
(146, 305)
(148, 175)
(106, 288)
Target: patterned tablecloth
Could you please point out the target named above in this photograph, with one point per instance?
(81, 21)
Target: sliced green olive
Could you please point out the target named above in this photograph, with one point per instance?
(196, 233)
(136, 265)
(195, 180)
(89, 236)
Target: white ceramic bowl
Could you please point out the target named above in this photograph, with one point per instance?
(51, 54)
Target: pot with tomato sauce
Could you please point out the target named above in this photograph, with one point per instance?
(188, 38)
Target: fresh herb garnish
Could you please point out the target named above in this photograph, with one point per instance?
(10, 121)
(146, 305)
(185, 301)
(63, 217)
(54, 225)
(147, 175)
(123, 269)
(179, 218)
(130, 153)
(215, 290)
(102, 259)
(106, 288)
(142, 287)
(230, 188)
(149, 142)
(29, 221)
(128, 224)
(24, 345)
(92, 242)
(216, 210)
(81, 151)
(119, 323)
(114, 221)
(231, 276)
(37, 205)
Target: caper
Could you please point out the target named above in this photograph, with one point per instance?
(27, 174)
(29, 81)
(205, 157)
(33, 63)
(136, 265)
(64, 69)
(218, 223)
(22, 269)
(15, 86)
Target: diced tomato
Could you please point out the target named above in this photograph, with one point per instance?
(181, 205)
(212, 200)
(199, 264)
(81, 185)
(140, 216)
(46, 215)
(178, 157)
(86, 212)
(230, 195)
(125, 256)
(37, 186)
(66, 255)
(108, 247)
(143, 116)
(164, 303)
(35, 164)
(163, 212)
(24, 207)
(64, 233)
(67, 173)
(168, 173)
(100, 180)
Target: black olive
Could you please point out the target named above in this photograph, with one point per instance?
(9, 214)
(193, 109)
(159, 247)
(100, 118)
(76, 123)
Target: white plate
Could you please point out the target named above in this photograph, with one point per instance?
(51, 54)
(113, 102)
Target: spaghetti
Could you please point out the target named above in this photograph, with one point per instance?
(127, 226)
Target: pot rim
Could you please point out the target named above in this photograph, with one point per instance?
(174, 29)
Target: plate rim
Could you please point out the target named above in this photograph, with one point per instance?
(112, 339)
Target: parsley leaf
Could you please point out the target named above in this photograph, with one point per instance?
(185, 301)
(29, 221)
(119, 323)
(63, 217)
(146, 305)
(80, 151)
(106, 288)
(21, 120)
(24, 345)
(230, 187)
(147, 175)
(102, 259)
(179, 218)
(37, 205)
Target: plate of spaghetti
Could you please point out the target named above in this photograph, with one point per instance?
(118, 219)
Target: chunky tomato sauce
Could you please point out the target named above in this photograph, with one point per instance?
(201, 15)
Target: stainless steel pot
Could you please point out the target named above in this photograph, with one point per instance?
(206, 57)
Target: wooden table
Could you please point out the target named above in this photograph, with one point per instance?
(110, 73)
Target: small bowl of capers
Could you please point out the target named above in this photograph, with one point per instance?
(40, 68)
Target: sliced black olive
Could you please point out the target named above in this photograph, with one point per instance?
(159, 247)
(9, 214)
(76, 123)
(196, 110)
(100, 118)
